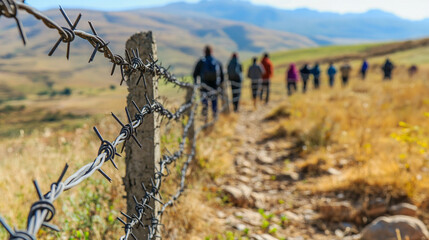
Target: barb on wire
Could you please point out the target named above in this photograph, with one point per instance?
(9, 9)
(69, 31)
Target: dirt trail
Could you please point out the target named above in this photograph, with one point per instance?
(265, 179)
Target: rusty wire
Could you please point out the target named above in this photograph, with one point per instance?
(43, 211)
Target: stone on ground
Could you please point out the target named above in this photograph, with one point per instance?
(385, 228)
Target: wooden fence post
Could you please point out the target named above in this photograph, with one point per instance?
(141, 163)
(191, 131)
(224, 96)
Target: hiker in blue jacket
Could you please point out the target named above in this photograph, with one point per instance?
(209, 72)
(364, 69)
(331, 74)
(235, 78)
(316, 75)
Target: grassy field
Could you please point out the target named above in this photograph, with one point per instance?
(374, 131)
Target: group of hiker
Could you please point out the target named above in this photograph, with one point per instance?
(293, 75)
(209, 73)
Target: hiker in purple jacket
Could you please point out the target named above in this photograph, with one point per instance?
(292, 78)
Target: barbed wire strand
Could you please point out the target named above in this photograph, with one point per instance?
(153, 194)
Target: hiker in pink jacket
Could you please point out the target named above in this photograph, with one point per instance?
(292, 77)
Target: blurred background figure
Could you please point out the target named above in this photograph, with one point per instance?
(305, 75)
(332, 71)
(209, 73)
(412, 70)
(316, 75)
(292, 78)
(255, 73)
(268, 74)
(364, 69)
(345, 70)
(387, 69)
(235, 77)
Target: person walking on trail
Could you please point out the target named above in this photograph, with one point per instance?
(209, 73)
(345, 70)
(255, 73)
(305, 75)
(316, 75)
(412, 70)
(387, 69)
(331, 74)
(364, 69)
(235, 77)
(266, 77)
(292, 78)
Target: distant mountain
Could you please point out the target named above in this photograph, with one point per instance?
(322, 27)
(180, 38)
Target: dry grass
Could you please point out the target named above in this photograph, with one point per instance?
(278, 113)
(91, 208)
(196, 211)
(359, 131)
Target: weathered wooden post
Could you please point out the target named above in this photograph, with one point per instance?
(191, 131)
(224, 96)
(141, 163)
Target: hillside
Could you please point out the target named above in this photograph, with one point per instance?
(180, 38)
(322, 27)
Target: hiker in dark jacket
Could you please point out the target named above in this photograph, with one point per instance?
(345, 70)
(316, 75)
(305, 75)
(255, 73)
(235, 78)
(412, 70)
(331, 74)
(209, 73)
(387, 69)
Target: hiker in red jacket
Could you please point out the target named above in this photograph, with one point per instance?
(268, 74)
(292, 78)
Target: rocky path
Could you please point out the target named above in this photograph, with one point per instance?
(261, 197)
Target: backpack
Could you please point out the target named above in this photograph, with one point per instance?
(234, 71)
(209, 71)
(255, 72)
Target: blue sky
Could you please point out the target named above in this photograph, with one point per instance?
(410, 9)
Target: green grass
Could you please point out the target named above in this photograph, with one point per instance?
(309, 54)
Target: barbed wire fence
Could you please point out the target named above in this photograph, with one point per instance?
(42, 211)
